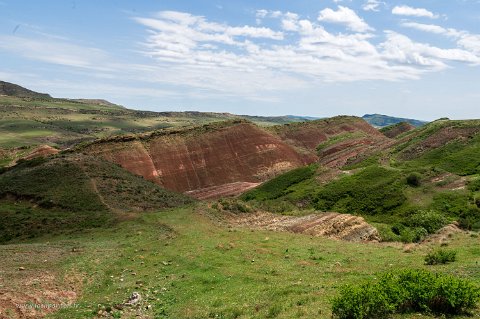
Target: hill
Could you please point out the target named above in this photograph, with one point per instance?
(226, 158)
(10, 89)
(201, 157)
(379, 120)
(66, 193)
(332, 141)
(29, 119)
(429, 175)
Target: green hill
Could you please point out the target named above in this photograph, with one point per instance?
(431, 173)
(68, 193)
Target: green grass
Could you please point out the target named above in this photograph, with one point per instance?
(188, 267)
(279, 186)
(72, 193)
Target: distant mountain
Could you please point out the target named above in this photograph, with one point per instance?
(99, 102)
(379, 120)
(11, 89)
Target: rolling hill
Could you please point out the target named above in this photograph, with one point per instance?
(71, 193)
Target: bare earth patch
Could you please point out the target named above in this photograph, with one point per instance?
(30, 284)
(331, 225)
(215, 192)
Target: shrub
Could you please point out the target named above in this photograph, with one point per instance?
(414, 179)
(430, 220)
(441, 256)
(408, 290)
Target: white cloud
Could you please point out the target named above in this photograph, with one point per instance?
(372, 5)
(344, 16)
(203, 58)
(402, 49)
(413, 12)
(464, 39)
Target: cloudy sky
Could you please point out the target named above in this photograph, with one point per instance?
(418, 59)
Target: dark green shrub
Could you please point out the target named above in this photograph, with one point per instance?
(474, 185)
(414, 179)
(405, 291)
(359, 302)
(440, 256)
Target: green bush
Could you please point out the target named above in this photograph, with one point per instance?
(430, 220)
(405, 291)
(440, 256)
(414, 179)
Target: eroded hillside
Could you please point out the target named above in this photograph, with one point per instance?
(201, 157)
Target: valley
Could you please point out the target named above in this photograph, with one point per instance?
(216, 215)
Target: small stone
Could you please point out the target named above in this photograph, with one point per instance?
(134, 299)
(21, 268)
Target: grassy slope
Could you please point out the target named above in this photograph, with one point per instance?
(187, 267)
(73, 193)
(380, 192)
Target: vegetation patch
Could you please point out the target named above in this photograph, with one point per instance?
(375, 190)
(440, 256)
(406, 291)
(280, 185)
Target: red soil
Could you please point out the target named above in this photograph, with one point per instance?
(199, 158)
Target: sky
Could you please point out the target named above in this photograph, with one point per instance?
(411, 58)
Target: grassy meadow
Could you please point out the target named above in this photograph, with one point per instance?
(187, 264)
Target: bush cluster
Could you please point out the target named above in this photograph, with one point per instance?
(440, 256)
(430, 220)
(406, 291)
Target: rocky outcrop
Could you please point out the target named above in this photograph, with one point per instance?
(332, 225)
(201, 157)
(41, 151)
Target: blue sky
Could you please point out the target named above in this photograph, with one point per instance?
(418, 59)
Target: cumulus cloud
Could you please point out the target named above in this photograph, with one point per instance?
(402, 49)
(344, 16)
(464, 39)
(413, 12)
(207, 58)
